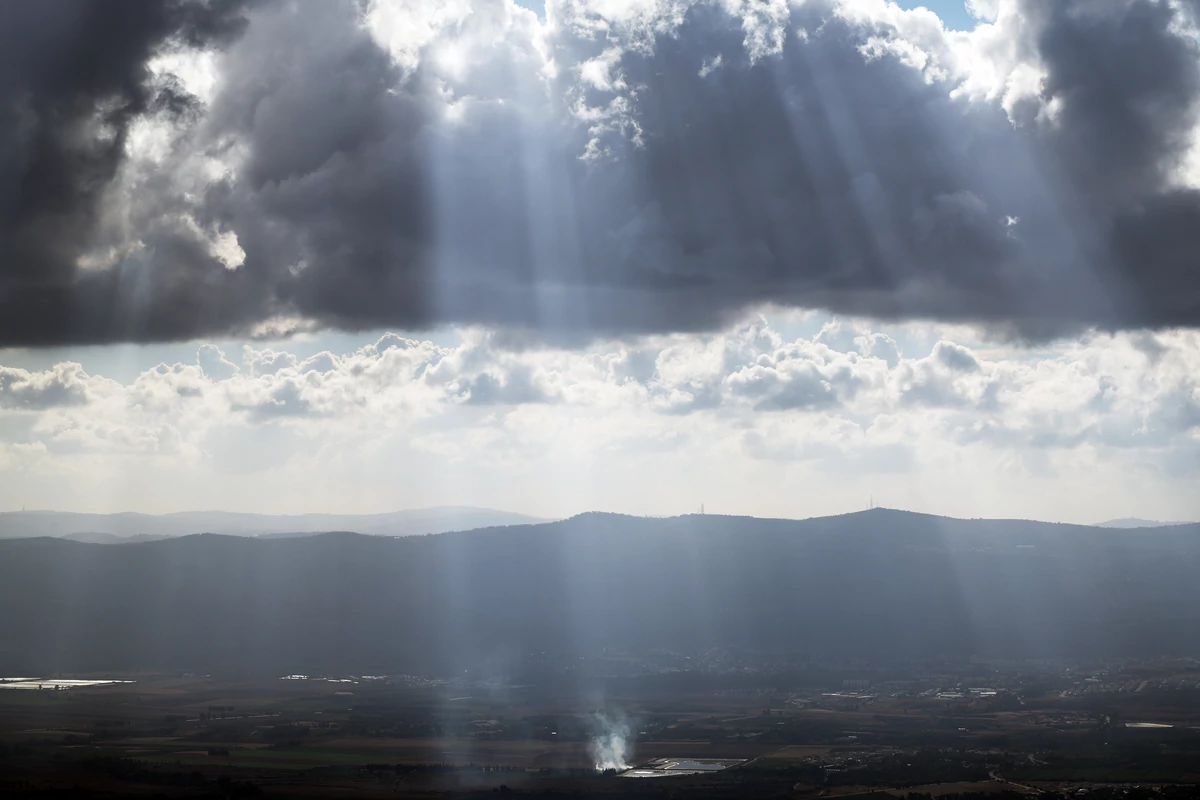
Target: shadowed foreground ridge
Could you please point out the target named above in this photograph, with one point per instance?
(875, 584)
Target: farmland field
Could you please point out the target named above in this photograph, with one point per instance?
(159, 734)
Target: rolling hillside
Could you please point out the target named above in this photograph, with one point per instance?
(878, 584)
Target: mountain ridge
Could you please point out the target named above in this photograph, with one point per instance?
(127, 526)
(1134, 523)
(879, 584)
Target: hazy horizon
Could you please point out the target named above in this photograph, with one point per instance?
(1115, 522)
(591, 429)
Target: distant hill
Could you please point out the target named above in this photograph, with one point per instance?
(1132, 522)
(879, 584)
(109, 538)
(112, 528)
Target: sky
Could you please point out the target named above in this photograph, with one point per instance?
(777, 258)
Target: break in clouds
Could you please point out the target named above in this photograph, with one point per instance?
(186, 169)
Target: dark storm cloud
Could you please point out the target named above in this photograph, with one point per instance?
(818, 179)
(1128, 90)
(73, 78)
(813, 177)
(332, 207)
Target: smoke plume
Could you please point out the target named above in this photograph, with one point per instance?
(610, 745)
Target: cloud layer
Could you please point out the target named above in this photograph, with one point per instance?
(193, 169)
(640, 425)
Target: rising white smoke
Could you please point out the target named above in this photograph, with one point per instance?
(611, 741)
